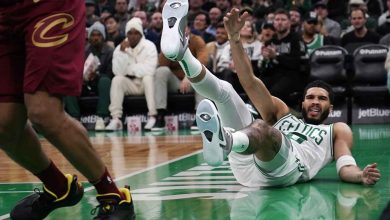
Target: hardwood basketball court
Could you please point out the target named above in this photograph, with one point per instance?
(169, 180)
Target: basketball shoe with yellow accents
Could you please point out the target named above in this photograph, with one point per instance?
(112, 206)
(40, 204)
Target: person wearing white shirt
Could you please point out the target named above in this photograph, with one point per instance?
(134, 65)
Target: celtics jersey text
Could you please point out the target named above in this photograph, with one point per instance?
(312, 143)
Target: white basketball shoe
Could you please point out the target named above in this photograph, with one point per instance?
(217, 141)
(174, 41)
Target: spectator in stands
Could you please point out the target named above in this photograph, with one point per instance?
(385, 16)
(262, 8)
(282, 56)
(134, 65)
(121, 14)
(303, 5)
(153, 32)
(252, 47)
(114, 36)
(337, 10)
(296, 20)
(360, 35)
(224, 5)
(96, 82)
(90, 15)
(170, 78)
(312, 38)
(105, 13)
(384, 28)
(371, 23)
(147, 6)
(201, 22)
(215, 50)
(195, 8)
(384, 21)
(267, 32)
(332, 27)
(236, 4)
(215, 16)
(144, 18)
(105, 5)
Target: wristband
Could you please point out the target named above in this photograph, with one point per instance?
(344, 161)
(234, 37)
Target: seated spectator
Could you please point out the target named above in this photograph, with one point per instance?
(90, 15)
(360, 34)
(303, 5)
(134, 65)
(153, 32)
(201, 22)
(312, 37)
(385, 16)
(223, 5)
(267, 32)
(384, 28)
(371, 22)
(282, 59)
(215, 50)
(122, 14)
(215, 16)
(332, 27)
(296, 20)
(106, 11)
(252, 47)
(144, 18)
(114, 36)
(195, 8)
(170, 78)
(97, 82)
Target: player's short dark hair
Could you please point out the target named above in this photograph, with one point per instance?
(320, 84)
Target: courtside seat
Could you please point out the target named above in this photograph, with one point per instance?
(327, 64)
(369, 80)
(371, 100)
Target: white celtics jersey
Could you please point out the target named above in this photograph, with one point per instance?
(312, 143)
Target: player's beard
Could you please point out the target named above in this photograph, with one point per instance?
(314, 121)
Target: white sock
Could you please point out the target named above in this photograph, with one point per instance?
(191, 66)
(240, 142)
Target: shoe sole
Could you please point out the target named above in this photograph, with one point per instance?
(210, 127)
(173, 39)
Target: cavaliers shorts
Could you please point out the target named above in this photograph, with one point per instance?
(41, 48)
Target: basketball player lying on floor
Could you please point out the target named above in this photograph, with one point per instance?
(279, 150)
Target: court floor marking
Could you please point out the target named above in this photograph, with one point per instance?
(6, 216)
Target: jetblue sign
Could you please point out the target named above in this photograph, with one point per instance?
(378, 114)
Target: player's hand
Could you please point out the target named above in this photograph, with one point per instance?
(185, 86)
(125, 44)
(371, 174)
(234, 22)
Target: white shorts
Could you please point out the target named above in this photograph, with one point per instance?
(283, 170)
